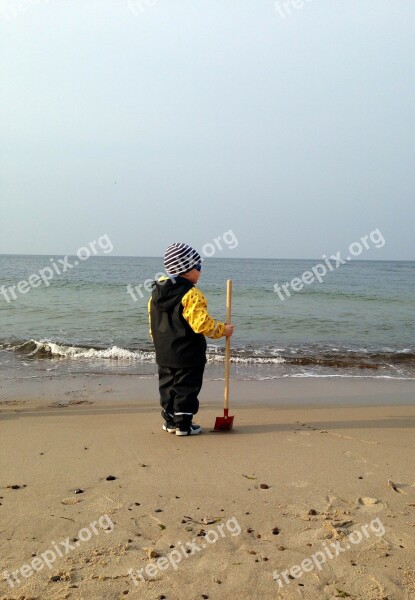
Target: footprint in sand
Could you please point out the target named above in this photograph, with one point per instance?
(368, 504)
(367, 501)
(396, 487)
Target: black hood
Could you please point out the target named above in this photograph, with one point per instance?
(168, 292)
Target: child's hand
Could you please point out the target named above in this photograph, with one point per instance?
(229, 330)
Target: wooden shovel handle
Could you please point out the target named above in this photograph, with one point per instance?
(228, 341)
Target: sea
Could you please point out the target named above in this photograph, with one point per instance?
(358, 322)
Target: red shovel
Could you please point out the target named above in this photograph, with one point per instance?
(225, 423)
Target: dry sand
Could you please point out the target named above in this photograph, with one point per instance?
(329, 462)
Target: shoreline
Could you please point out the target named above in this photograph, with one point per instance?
(121, 390)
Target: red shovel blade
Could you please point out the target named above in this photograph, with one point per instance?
(223, 423)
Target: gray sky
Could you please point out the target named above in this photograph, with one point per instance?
(177, 120)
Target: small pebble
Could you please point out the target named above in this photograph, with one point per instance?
(111, 478)
(55, 578)
(158, 510)
(205, 596)
(249, 530)
(78, 491)
(264, 486)
(216, 580)
(281, 548)
(312, 512)
(143, 465)
(275, 531)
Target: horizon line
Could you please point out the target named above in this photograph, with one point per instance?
(357, 259)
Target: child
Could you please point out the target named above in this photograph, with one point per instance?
(179, 322)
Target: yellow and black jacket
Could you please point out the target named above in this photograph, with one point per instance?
(179, 321)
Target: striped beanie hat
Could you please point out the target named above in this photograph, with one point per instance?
(180, 258)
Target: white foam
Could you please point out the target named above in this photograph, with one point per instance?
(117, 353)
(113, 353)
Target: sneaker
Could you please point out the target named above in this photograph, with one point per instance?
(169, 427)
(191, 430)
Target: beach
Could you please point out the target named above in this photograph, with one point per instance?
(201, 198)
(312, 495)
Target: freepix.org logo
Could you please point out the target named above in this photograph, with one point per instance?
(334, 549)
(331, 263)
(11, 9)
(57, 550)
(285, 7)
(184, 551)
(57, 267)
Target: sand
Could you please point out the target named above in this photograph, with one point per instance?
(315, 474)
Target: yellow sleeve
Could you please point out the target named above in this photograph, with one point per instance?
(195, 313)
(149, 316)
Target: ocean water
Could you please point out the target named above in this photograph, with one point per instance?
(359, 322)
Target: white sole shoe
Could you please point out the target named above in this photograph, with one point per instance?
(169, 429)
(193, 430)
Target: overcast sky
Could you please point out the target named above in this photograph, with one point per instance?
(177, 120)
